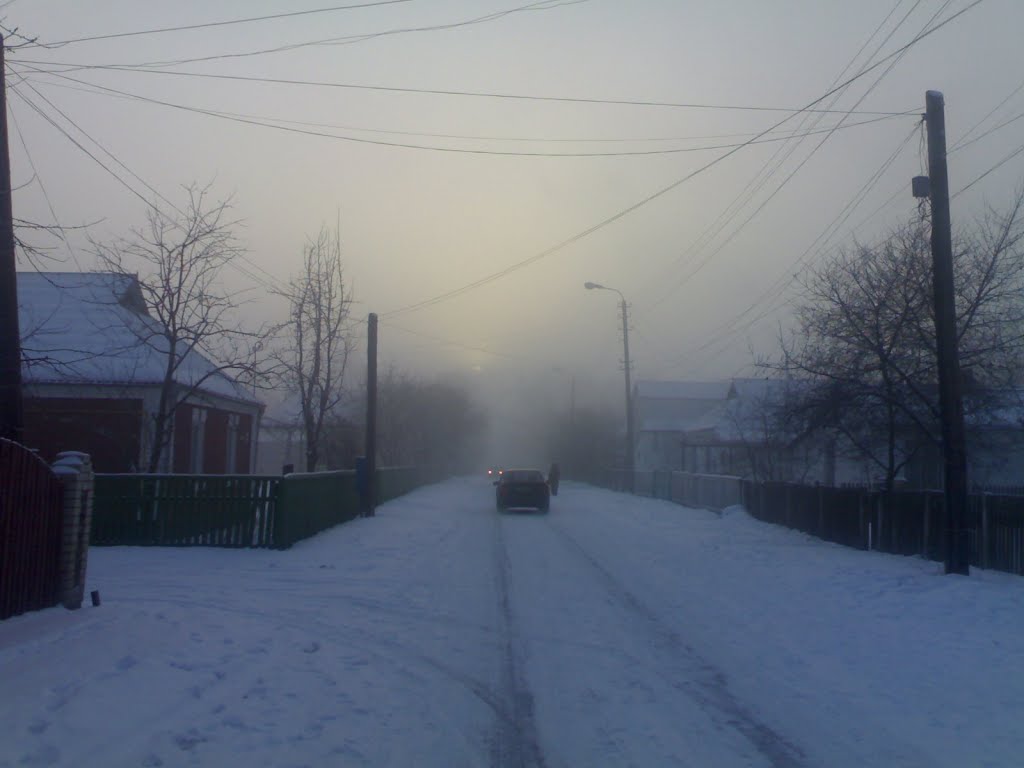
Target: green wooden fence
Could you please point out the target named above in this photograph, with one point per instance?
(266, 511)
(898, 522)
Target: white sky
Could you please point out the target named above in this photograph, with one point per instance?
(615, 631)
(416, 224)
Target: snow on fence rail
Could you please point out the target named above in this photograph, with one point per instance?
(264, 511)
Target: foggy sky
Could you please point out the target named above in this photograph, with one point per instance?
(416, 224)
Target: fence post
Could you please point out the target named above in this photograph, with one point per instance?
(280, 530)
(821, 511)
(984, 530)
(880, 521)
(865, 534)
(926, 525)
(75, 472)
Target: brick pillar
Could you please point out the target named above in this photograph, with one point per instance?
(75, 472)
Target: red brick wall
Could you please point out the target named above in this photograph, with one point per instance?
(215, 443)
(182, 439)
(244, 444)
(109, 430)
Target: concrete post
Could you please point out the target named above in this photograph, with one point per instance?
(75, 472)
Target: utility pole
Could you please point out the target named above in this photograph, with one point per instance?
(630, 481)
(572, 401)
(629, 395)
(950, 397)
(371, 417)
(11, 413)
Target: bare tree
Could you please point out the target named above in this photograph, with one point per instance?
(186, 320)
(864, 341)
(426, 423)
(318, 338)
(760, 418)
(584, 442)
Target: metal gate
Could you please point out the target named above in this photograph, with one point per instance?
(31, 512)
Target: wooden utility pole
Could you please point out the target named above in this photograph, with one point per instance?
(371, 417)
(950, 397)
(630, 479)
(11, 414)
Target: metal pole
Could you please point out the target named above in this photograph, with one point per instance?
(371, 417)
(950, 399)
(11, 409)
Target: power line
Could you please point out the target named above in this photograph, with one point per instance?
(42, 187)
(781, 284)
(990, 131)
(543, 5)
(995, 167)
(764, 175)
(665, 190)
(424, 147)
(803, 162)
(228, 22)
(91, 88)
(273, 285)
(727, 329)
(450, 92)
(962, 142)
(120, 180)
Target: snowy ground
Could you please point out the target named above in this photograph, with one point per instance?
(616, 631)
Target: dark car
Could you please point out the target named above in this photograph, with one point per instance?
(522, 489)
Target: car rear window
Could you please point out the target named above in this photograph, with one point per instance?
(523, 476)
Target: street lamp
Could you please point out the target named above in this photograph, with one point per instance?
(625, 349)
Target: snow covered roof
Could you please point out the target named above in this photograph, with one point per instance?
(87, 328)
(673, 406)
(743, 415)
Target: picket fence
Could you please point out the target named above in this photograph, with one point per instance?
(263, 511)
(897, 522)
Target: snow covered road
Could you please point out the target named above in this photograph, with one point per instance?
(615, 631)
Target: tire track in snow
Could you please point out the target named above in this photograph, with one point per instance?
(710, 689)
(516, 743)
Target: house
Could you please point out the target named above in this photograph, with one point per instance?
(742, 437)
(994, 436)
(92, 371)
(663, 411)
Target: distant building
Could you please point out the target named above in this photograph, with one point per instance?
(663, 411)
(92, 371)
(744, 436)
(741, 436)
